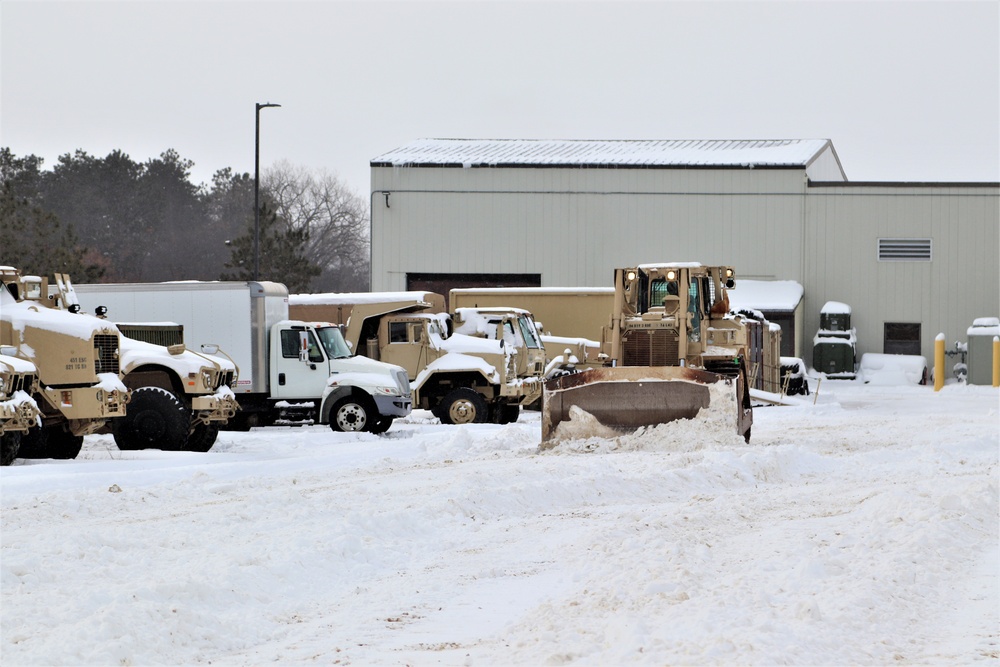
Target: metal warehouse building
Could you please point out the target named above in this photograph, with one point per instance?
(911, 259)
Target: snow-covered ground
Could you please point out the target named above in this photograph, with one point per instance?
(861, 529)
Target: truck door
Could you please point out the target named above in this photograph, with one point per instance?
(300, 369)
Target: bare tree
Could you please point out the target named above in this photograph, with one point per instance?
(334, 218)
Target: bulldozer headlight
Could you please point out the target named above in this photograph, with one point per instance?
(671, 275)
(630, 276)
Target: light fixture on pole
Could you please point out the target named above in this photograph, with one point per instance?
(256, 191)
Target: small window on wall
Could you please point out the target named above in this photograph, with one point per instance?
(901, 338)
(904, 250)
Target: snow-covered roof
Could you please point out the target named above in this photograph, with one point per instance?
(765, 295)
(621, 153)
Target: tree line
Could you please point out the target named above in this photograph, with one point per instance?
(113, 219)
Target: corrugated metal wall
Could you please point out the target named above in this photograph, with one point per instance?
(574, 226)
(944, 295)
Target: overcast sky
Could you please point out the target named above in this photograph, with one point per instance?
(907, 91)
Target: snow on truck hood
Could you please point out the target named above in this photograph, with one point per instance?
(137, 352)
(363, 370)
(24, 314)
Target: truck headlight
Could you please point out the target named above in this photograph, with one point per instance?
(207, 379)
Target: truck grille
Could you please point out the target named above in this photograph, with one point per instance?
(106, 353)
(157, 334)
(650, 347)
(22, 383)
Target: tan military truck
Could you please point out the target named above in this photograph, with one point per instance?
(18, 411)
(77, 357)
(470, 367)
(569, 319)
(180, 397)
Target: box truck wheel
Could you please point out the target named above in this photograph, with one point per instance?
(464, 406)
(9, 444)
(202, 437)
(353, 414)
(381, 425)
(154, 419)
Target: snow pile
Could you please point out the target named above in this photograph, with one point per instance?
(892, 369)
(861, 530)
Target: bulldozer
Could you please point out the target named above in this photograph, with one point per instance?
(670, 338)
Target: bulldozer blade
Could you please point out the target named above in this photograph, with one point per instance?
(625, 398)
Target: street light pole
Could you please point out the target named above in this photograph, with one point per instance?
(256, 191)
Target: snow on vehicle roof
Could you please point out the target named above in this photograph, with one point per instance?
(628, 153)
(355, 298)
(28, 313)
(671, 265)
(765, 295)
(533, 290)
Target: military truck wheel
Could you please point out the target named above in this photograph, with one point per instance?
(33, 444)
(9, 444)
(464, 406)
(202, 437)
(154, 419)
(50, 443)
(506, 413)
(353, 414)
(63, 444)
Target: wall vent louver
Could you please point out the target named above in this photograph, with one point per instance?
(904, 250)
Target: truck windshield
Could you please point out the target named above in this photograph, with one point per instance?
(529, 332)
(333, 342)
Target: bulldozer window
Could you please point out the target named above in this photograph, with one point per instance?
(659, 289)
(694, 302)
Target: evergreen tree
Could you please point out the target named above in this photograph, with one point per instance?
(34, 241)
(282, 254)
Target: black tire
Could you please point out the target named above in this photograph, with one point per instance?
(50, 443)
(506, 413)
(202, 437)
(353, 414)
(9, 444)
(381, 425)
(154, 419)
(464, 406)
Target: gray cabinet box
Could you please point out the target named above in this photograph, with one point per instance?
(980, 360)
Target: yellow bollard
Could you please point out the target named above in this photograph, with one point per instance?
(996, 361)
(939, 362)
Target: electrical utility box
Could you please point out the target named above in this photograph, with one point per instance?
(980, 360)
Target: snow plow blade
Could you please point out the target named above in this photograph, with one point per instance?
(625, 398)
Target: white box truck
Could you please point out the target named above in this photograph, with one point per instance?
(290, 372)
